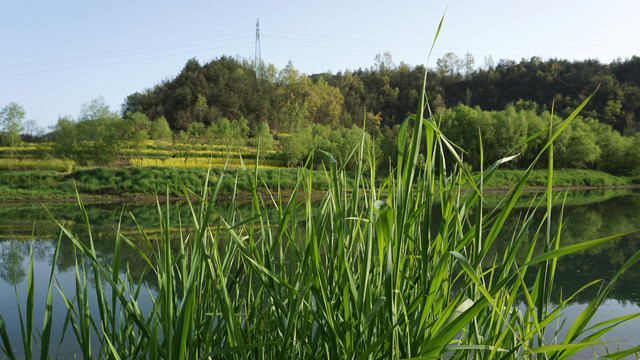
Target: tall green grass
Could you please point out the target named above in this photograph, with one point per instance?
(398, 270)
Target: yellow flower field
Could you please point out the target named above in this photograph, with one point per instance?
(205, 162)
(36, 164)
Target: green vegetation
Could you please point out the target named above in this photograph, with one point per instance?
(11, 118)
(137, 182)
(508, 102)
(585, 144)
(130, 152)
(232, 88)
(366, 273)
(229, 106)
(144, 182)
(572, 178)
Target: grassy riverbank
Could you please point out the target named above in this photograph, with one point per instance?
(140, 182)
(145, 182)
(564, 178)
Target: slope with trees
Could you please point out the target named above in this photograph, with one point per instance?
(232, 102)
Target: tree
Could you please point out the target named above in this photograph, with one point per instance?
(612, 114)
(64, 138)
(386, 148)
(240, 129)
(450, 64)
(383, 62)
(325, 103)
(196, 132)
(11, 117)
(101, 131)
(322, 101)
(201, 109)
(344, 142)
(228, 133)
(101, 140)
(373, 122)
(580, 150)
(488, 62)
(438, 103)
(133, 103)
(263, 139)
(31, 128)
(355, 98)
(612, 145)
(160, 129)
(289, 75)
(139, 126)
(633, 152)
(293, 116)
(95, 109)
(297, 146)
(469, 64)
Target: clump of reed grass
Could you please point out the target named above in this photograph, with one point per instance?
(366, 273)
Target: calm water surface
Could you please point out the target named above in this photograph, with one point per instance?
(588, 215)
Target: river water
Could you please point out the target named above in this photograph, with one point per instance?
(24, 226)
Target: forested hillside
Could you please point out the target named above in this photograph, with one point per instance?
(507, 101)
(218, 113)
(234, 88)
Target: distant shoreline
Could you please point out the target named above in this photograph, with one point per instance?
(90, 198)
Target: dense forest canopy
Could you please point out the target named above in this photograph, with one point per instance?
(232, 88)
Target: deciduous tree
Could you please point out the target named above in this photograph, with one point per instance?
(263, 138)
(11, 117)
(160, 129)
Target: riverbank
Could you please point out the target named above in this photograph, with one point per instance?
(140, 184)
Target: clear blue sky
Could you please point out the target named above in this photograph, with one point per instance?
(57, 55)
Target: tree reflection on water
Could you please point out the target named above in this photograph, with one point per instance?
(12, 255)
(587, 216)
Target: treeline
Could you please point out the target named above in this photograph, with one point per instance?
(100, 136)
(558, 83)
(507, 101)
(585, 144)
(387, 92)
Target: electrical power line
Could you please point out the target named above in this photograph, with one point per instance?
(127, 55)
(240, 39)
(148, 58)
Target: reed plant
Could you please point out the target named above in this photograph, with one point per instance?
(391, 269)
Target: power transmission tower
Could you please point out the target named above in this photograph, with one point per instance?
(258, 56)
